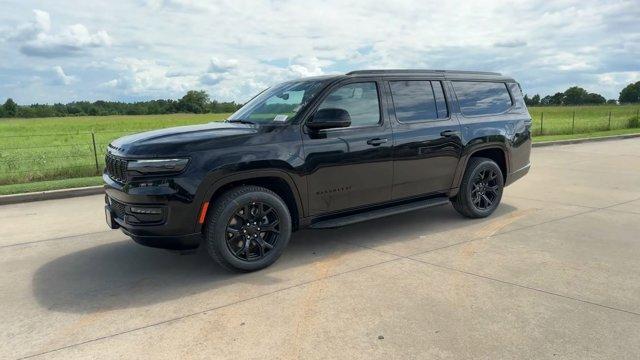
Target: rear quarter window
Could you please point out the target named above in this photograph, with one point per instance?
(482, 98)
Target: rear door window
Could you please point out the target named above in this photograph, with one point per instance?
(482, 98)
(418, 100)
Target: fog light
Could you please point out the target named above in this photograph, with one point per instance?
(145, 210)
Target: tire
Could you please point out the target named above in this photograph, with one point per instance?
(469, 201)
(235, 221)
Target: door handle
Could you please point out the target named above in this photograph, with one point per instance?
(448, 133)
(376, 141)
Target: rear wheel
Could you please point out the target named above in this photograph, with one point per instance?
(248, 228)
(481, 189)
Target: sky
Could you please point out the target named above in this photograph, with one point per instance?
(62, 51)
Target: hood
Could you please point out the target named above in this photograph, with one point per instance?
(180, 140)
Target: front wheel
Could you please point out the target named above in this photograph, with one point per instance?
(481, 189)
(248, 228)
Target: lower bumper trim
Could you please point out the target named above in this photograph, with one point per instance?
(512, 177)
(177, 242)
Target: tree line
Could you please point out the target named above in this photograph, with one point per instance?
(197, 102)
(576, 95)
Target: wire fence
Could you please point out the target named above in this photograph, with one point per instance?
(582, 120)
(53, 156)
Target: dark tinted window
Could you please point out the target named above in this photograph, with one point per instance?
(482, 98)
(441, 104)
(360, 100)
(418, 100)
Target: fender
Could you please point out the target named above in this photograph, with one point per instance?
(209, 186)
(467, 154)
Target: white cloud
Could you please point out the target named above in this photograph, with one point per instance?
(184, 5)
(60, 78)
(148, 77)
(510, 43)
(221, 65)
(306, 66)
(37, 39)
(29, 30)
(619, 78)
(236, 48)
(71, 41)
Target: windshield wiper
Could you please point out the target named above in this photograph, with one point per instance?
(242, 121)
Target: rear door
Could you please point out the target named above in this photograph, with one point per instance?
(427, 142)
(350, 167)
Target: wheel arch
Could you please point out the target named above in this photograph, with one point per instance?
(494, 151)
(275, 180)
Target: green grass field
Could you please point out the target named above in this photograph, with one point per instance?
(45, 153)
(559, 120)
(61, 148)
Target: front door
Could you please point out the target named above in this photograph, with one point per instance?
(350, 167)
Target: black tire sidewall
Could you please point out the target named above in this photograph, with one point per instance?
(482, 165)
(218, 241)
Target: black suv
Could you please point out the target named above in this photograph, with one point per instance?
(320, 152)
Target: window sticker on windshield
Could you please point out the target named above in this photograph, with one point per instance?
(280, 118)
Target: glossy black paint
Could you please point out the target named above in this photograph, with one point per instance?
(321, 173)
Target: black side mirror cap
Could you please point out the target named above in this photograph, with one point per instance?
(329, 118)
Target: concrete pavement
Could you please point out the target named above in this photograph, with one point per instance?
(554, 273)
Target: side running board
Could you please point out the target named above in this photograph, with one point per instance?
(379, 213)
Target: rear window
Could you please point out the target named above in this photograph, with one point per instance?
(482, 98)
(418, 100)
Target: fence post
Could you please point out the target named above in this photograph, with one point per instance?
(573, 123)
(95, 152)
(609, 119)
(541, 121)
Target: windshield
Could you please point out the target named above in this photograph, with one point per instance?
(279, 103)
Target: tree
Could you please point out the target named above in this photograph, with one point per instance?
(194, 101)
(10, 108)
(535, 100)
(630, 94)
(527, 101)
(556, 99)
(595, 99)
(575, 95)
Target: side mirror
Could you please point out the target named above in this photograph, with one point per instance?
(329, 118)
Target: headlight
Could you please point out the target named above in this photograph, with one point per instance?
(156, 166)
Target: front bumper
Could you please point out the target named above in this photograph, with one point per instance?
(170, 242)
(173, 226)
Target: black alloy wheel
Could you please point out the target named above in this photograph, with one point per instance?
(247, 228)
(481, 188)
(484, 191)
(252, 231)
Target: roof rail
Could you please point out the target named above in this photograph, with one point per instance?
(419, 71)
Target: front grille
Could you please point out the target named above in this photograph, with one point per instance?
(117, 208)
(116, 168)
